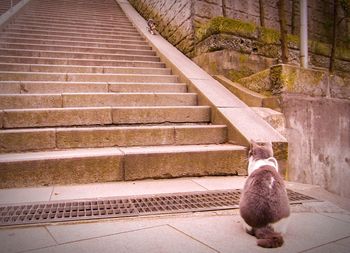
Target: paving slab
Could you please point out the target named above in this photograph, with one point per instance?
(220, 183)
(329, 248)
(124, 189)
(225, 234)
(23, 239)
(22, 195)
(156, 239)
(82, 231)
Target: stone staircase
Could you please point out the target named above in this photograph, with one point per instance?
(84, 98)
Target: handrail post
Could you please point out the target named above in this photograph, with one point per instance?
(303, 34)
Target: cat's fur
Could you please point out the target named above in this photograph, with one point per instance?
(151, 26)
(264, 204)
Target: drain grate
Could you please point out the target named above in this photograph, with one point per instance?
(47, 212)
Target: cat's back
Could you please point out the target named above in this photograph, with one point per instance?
(264, 198)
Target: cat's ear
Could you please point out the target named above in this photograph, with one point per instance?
(269, 147)
(253, 144)
(268, 144)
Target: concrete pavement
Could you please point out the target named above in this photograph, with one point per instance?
(314, 227)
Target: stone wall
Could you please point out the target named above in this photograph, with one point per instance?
(173, 19)
(318, 134)
(319, 24)
(233, 51)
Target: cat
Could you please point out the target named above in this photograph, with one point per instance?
(151, 26)
(264, 204)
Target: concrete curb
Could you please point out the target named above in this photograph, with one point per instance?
(242, 122)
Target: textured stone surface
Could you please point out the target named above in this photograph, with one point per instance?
(62, 87)
(60, 167)
(56, 117)
(9, 88)
(183, 161)
(315, 155)
(34, 139)
(30, 101)
(129, 99)
(114, 136)
(132, 115)
(200, 135)
(147, 87)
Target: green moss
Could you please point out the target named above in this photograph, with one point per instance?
(268, 35)
(272, 36)
(225, 25)
(320, 48)
(291, 38)
(288, 78)
(213, 68)
(343, 53)
(243, 58)
(236, 74)
(258, 82)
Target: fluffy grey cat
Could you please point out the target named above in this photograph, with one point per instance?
(264, 204)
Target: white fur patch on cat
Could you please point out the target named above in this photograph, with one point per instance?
(256, 164)
(271, 182)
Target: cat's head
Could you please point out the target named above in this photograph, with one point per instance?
(258, 151)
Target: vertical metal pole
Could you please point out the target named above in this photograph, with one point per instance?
(303, 34)
(11, 3)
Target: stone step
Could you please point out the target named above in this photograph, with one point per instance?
(66, 100)
(110, 13)
(122, 27)
(14, 67)
(118, 35)
(74, 44)
(85, 77)
(28, 118)
(42, 18)
(117, 164)
(59, 27)
(42, 87)
(79, 55)
(77, 49)
(29, 20)
(74, 38)
(20, 140)
(81, 62)
(77, 15)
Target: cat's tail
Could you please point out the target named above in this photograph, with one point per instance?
(268, 238)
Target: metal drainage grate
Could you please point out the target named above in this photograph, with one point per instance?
(47, 212)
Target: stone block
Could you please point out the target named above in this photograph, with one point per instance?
(340, 87)
(288, 78)
(60, 167)
(137, 99)
(200, 135)
(120, 78)
(114, 136)
(56, 117)
(63, 87)
(29, 76)
(241, 123)
(1, 118)
(207, 10)
(147, 87)
(30, 101)
(10, 87)
(27, 140)
(181, 161)
(147, 115)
